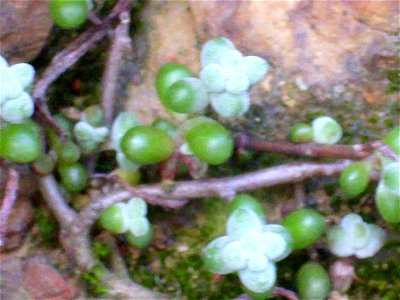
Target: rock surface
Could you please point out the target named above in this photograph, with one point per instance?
(33, 278)
(317, 49)
(24, 28)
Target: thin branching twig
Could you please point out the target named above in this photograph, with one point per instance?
(10, 196)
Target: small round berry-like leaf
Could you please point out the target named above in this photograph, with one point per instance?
(339, 242)
(388, 204)
(138, 226)
(375, 242)
(136, 207)
(230, 105)
(212, 256)
(237, 83)
(313, 282)
(24, 72)
(326, 130)
(213, 77)
(140, 241)
(122, 123)
(259, 281)
(255, 68)
(234, 256)
(242, 221)
(231, 59)
(114, 218)
(213, 50)
(187, 95)
(247, 202)
(17, 110)
(393, 139)
(391, 177)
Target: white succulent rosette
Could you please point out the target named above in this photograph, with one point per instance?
(228, 75)
(251, 248)
(16, 105)
(128, 217)
(355, 237)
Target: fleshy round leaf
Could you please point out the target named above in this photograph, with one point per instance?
(114, 218)
(275, 246)
(24, 72)
(214, 49)
(375, 242)
(125, 163)
(326, 130)
(124, 122)
(17, 110)
(242, 221)
(87, 146)
(360, 234)
(391, 178)
(10, 85)
(187, 95)
(388, 204)
(100, 134)
(237, 83)
(213, 78)
(83, 131)
(257, 261)
(136, 207)
(349, 220)
(339, 242)
(212, 256)
(255, 68)
(234, 256)
(139, 241)
(138, 226)
(259, 281)
(93, 115)
(247, 202)
(231, 59)
(230, 105)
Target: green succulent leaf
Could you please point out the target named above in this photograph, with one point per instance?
(242, 221)
(230, 105)
(212, 256)
(25, 74)
(213, 50)
(259, 281)
(17, 110)
(213, 78)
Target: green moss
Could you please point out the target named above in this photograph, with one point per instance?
(178, 269)
(48, 226)
(93, 280)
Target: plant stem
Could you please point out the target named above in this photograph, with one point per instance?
(10, 196)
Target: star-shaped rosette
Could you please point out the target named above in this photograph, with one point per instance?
(251, 247)
(129, 218)
(16, 105)
(355, 237)
(228, 75)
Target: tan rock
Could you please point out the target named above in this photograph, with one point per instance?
(24, 28)
(171, 36)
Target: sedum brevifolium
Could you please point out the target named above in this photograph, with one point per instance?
(129, 219)
(90, 131)
(16, 105)
(225, 79)
(251, 247)
(313, 282)
(387, 194)
(355, 237)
